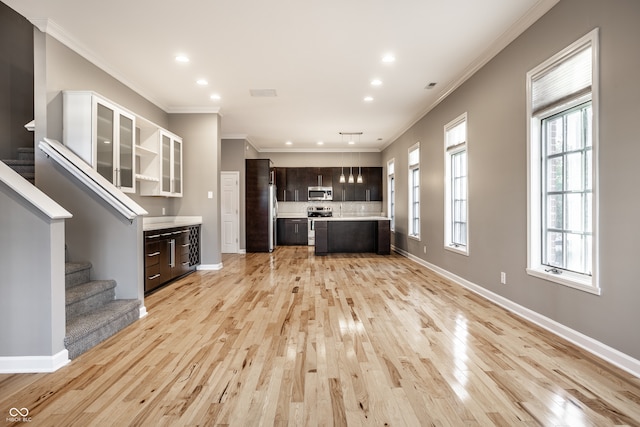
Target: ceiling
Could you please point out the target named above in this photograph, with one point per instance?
(318, 57)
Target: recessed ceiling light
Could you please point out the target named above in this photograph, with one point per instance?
(351, 142)
(376, 82)
(182, 58)
(202, 82)
(288, 143)
(320, 143)
(388, 58)
(368, 98)
(215, 97)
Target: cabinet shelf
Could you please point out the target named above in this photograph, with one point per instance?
(143, 151)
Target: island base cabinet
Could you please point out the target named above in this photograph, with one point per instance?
(357, 236)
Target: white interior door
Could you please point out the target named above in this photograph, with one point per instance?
(230, 206)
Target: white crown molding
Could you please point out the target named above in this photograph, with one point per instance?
(32, 364)
(235, 136)
(319, 150)
(609, 354)
(194, 110)
(51, 28)
(536, 12)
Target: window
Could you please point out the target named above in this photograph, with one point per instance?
(414, 191)
(562, 108)
(456, 194)
(391, 188)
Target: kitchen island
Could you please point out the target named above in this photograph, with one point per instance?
(352, 235)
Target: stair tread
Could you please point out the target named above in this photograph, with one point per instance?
(73, 267)
(90, 322)
(14, 162)
(88, 289)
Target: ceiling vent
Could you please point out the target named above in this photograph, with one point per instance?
(263, 93)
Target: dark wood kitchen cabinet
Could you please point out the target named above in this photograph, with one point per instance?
(258, 205)
(292, 231)
(292, 183)
(281, 184)
(370, 190)
(170, 253)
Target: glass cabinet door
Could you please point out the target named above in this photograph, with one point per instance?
(125, 172)
(104, 140)
(166, 164)
(177, 167)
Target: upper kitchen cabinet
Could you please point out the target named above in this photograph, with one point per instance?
(103, 135)
(159, 157)
(296, 187)
(370, 190)
(281, 184)
(170, 164)
(319, 177)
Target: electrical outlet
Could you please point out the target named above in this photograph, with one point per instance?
(164, 211)
(424, 249)
(503, 277)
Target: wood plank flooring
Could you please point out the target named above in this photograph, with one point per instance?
(289, 339)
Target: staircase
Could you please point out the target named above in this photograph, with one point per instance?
(25, 165)
(93, 313)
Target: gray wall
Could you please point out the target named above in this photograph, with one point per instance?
(495, 100)
(32, 314)
(16, 82)
(96, 233)
(201, 164)
(66, 70)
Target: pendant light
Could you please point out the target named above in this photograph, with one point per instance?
(359, 180)
(342, 179)
(350, 173)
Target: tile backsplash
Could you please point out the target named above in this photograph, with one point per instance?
(339, 208)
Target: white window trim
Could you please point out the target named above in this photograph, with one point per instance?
(448, 152)
(410, 218)
(534, 239)
(391, 202)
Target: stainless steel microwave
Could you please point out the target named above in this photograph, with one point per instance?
(320, 193)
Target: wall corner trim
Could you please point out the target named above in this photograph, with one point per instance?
(33, 364)
(601, 350)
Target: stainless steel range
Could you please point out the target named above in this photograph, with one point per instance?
(314, 212)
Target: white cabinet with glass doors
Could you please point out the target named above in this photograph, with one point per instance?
(167, 166)
(102, 134)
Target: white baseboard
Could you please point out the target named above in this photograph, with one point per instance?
(206, 267)
(143, 312)
(611, 355)
(33, 364)
(242, 251)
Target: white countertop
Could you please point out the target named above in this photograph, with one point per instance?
(294, 215)
(160, 222)
(353, 218)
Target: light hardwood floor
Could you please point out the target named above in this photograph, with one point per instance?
(359, 340)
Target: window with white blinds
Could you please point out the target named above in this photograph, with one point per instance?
(563, 81)
(562, 104)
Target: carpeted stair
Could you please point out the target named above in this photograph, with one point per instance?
(24, 165)
(93, 313)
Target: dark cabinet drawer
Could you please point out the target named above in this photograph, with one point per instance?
(152, 254)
